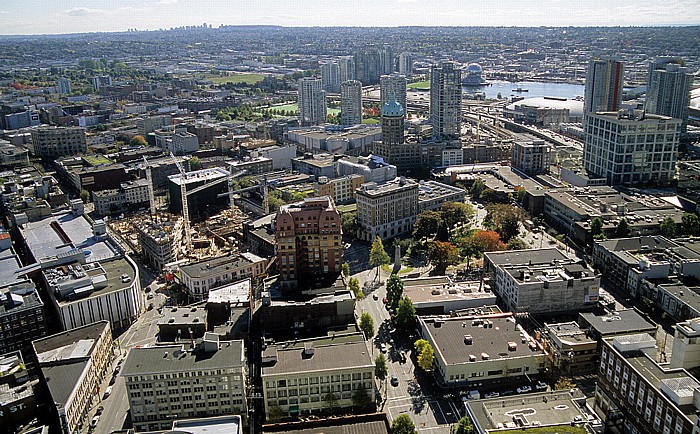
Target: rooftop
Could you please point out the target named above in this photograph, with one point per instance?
(183, 315)
(347, 352)
(374, 190)
(19, 297)
(235, 293)
(215, 266)
(9, 263)
(50, 344)
(441, 290)
(620, 322)
(491, 336)
(174, 358)
(209, 425)
(526, 257)
(542, 409)
(64, 233)
(200, 176)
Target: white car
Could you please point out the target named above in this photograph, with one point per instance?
(492, 395)
(108, 392)
(94, 421)
(541, 385)
(524, 389)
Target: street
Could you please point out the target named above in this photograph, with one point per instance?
(429, 412)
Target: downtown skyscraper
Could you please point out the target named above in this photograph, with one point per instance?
(392, 84)
(351, 103)
(446, 100)
(312, 102)
(330, 77)
(668, 89)
(603, 86)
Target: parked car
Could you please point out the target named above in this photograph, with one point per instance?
(492, 395)
(382, 347)
(99, 411)
(93, 422)
(524, 389)
(394, 380)
(541, 385)
(375, 297)
(108, 392)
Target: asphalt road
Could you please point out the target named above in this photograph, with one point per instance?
(430, 413)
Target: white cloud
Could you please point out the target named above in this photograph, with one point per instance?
(166, 2)
(81, 11)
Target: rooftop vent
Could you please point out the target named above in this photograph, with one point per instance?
(468, 340)
(308, 349)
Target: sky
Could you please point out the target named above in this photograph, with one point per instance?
(77, 16)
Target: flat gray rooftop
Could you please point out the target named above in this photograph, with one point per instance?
(172, 358)
(341, 355)
(449, 338)
(543, 409)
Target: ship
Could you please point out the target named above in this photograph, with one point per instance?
(520, 90)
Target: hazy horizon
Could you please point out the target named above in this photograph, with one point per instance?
(31, 17)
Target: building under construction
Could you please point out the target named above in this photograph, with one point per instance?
(207, 191)
(160, 241)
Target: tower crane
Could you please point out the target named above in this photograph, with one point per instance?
(149, 182)
(185, 209)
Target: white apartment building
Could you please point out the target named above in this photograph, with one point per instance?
(631, 147)
(298, 376)
(312, 102)
(168, 382)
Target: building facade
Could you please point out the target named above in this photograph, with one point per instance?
(351, 103)
(603, 91)
(531, 158)
(73, 365)
(308, 236)
(168, 382)
(22, 317)
(341, 189)
(298, 377)
(56, 142)
(446, 100)
(199, 278)
(386, 210)
(330, 77)
(631, 147)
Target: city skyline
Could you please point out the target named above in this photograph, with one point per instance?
(85, 16)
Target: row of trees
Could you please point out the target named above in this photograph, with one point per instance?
(690, 225)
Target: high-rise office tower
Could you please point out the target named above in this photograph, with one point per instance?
(668, 90)
(393, 84)
(386, 60)
(63, 86)
(330, 77)
(393, 118)
(351, 102)
(603, 85)
(615, 149)
(445, 100)
(367, 66)
(346, 65)
(312, 102)
(405, 64)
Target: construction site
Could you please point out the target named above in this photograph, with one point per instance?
(162, 237)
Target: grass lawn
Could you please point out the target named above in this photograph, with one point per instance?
(236, 78)
(347, 208)
(95, 160)
(370, 121)
(419, 85)
(295, 108)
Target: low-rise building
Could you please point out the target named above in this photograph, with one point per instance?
(199, 278)
(440, 295)
(130, 196)
(341, 189)
(476, 351)
(373, 168)
(353, 140)
(307, 314)
(432, 195)
(572, 350)
(556, 411)
(531, 157)
(298, 376)
(617, 323)
(182, 324)
(571, 211)
(73, 365)
(17, 401)
(317, 165)
(637, 392)
(252, 166)
(172, 381)
(56, 142)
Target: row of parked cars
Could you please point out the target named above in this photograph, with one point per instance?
(474, 394)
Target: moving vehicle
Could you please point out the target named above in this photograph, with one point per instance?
(524, 389)
(394, 380)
